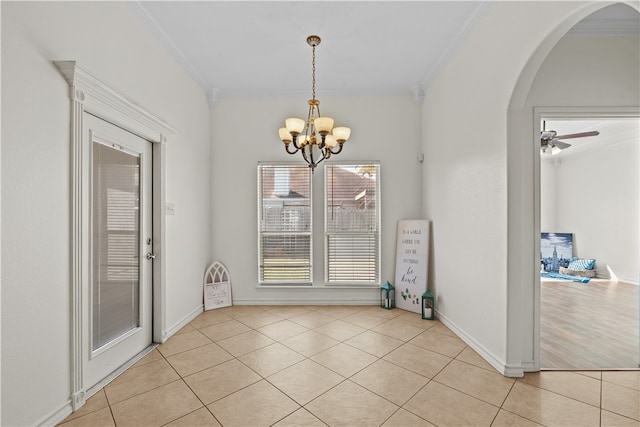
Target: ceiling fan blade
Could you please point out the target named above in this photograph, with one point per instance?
(561, 144)
(578, 135)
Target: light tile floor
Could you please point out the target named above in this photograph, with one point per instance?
(344, 366)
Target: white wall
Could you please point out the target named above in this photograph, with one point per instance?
(465, 178)
(244, 132)
(597, 201)
(588, 72)
(548, 195)
(478, 178)
(108, 40)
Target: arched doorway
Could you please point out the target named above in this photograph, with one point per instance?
(523, 206)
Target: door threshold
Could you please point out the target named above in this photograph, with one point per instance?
(112, 376)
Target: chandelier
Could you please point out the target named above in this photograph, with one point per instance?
(315, 138)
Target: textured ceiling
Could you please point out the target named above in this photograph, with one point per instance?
(258, 48)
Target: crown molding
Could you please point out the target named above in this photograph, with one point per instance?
(418, 94)
(481, 10)
(306, 93)
(212, 97)
(621, 27)
(170, 46)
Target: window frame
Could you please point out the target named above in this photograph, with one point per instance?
(261, 233)
(378, 225)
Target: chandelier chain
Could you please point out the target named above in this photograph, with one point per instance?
(313, 74)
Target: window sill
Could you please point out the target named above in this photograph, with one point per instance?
(325, 286)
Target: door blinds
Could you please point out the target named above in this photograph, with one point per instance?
(116, 236)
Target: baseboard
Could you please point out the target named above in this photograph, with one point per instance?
(634, 282)
(182, 323)
(499, 365)
(66, 410)
(304, 302)
(57, 416)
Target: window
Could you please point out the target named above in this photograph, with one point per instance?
(352, 224)
(284, 224)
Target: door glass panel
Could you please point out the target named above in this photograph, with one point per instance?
(116, 243)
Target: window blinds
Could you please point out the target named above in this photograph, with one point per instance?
(284, 193)
(116, 243)
(352, 224)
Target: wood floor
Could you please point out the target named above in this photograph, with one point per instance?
(586, 326)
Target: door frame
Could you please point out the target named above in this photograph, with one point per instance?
(90, 95)
(558, 113)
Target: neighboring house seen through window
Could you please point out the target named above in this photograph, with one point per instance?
(352, 224)
(351, 219)
(284, 224)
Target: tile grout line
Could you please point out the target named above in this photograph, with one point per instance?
(564, 395)
(198, 329)
(190, 389)
(337, 373)
(500, 408)
(379, 358)
(301, 406)
(601, 396)
(351, 375)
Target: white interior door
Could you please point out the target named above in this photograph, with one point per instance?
(117, 303)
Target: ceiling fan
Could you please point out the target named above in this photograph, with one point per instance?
(550, 140)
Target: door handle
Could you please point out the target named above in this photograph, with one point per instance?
(150, 255)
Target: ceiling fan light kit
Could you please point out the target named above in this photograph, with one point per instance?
(317, 132)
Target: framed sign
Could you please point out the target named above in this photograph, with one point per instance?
(217, 287)
(412, 258)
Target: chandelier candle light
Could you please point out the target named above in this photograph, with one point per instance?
(317, 131)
